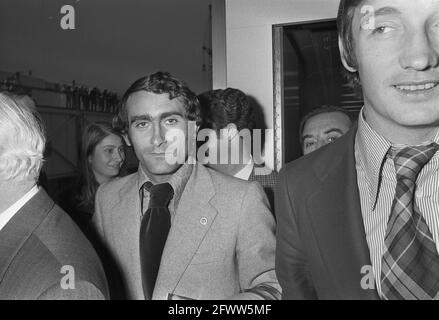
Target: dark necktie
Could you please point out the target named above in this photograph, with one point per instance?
(154, 230)
(410, 263)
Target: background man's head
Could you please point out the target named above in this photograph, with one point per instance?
(22, 141)
(150, 108)
(393, 48)
(226, 106)
(322, 126)
(228, 112)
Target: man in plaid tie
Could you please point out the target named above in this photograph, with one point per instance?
(359, 219)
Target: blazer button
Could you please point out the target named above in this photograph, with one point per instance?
(203, 221)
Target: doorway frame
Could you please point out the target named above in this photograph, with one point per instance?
(278, 87)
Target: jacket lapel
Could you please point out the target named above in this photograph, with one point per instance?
(194, 216)
(16, 232)
(127, 214)
(336, 217)
(125, 222)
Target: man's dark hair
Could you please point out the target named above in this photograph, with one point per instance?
(345, 17)
(159, 83)
(320, 110)
(223, 106)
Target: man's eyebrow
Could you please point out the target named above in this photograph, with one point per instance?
(382, 12)
(171, 113)
(140, 118)
(148, 117)
(333, 130)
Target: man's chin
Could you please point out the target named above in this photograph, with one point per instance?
(161, 169)
(425, 119)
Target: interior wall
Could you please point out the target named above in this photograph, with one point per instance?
(249, 44)
(219, 61)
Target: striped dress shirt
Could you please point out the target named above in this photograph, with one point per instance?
(376, 183)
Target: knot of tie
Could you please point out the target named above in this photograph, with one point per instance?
(160, 194)
(409, 161)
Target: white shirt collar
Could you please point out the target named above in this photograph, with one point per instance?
(245, 172)
(7, 215)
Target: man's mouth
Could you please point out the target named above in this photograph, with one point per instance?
(417, 87)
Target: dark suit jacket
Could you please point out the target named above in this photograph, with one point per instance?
(321, 242)
(268, 183)
(35, 245)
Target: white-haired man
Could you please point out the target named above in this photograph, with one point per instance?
(43, 255)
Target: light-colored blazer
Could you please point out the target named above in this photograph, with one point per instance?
(221, 242)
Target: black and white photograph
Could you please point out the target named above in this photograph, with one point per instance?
(208, 150)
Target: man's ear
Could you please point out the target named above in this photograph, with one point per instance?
(127, 139)
(343, 56)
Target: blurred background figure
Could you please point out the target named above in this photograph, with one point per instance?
(228, 112)
(322, 126)
(101, 158)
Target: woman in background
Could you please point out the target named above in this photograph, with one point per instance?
(101, 158)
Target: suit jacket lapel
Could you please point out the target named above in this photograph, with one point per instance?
(20, 227)
(336, 217)
(194, 216)
(125, 222)
(128, 215)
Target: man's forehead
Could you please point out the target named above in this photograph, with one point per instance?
(327, 119)
(142, 103)
(368, 11)
(146, 97)
(388, 7)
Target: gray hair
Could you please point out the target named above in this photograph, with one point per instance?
(22, 140)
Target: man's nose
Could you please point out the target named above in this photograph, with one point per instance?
(158, 135)
(420, 51)
(320, 143)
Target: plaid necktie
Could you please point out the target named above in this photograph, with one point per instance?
(154, 230)
(410, 263)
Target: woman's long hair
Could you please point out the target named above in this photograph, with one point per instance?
(92, 135)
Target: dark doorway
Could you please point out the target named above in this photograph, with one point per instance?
(312, 75)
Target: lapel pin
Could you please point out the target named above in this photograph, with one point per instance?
(203, 221)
